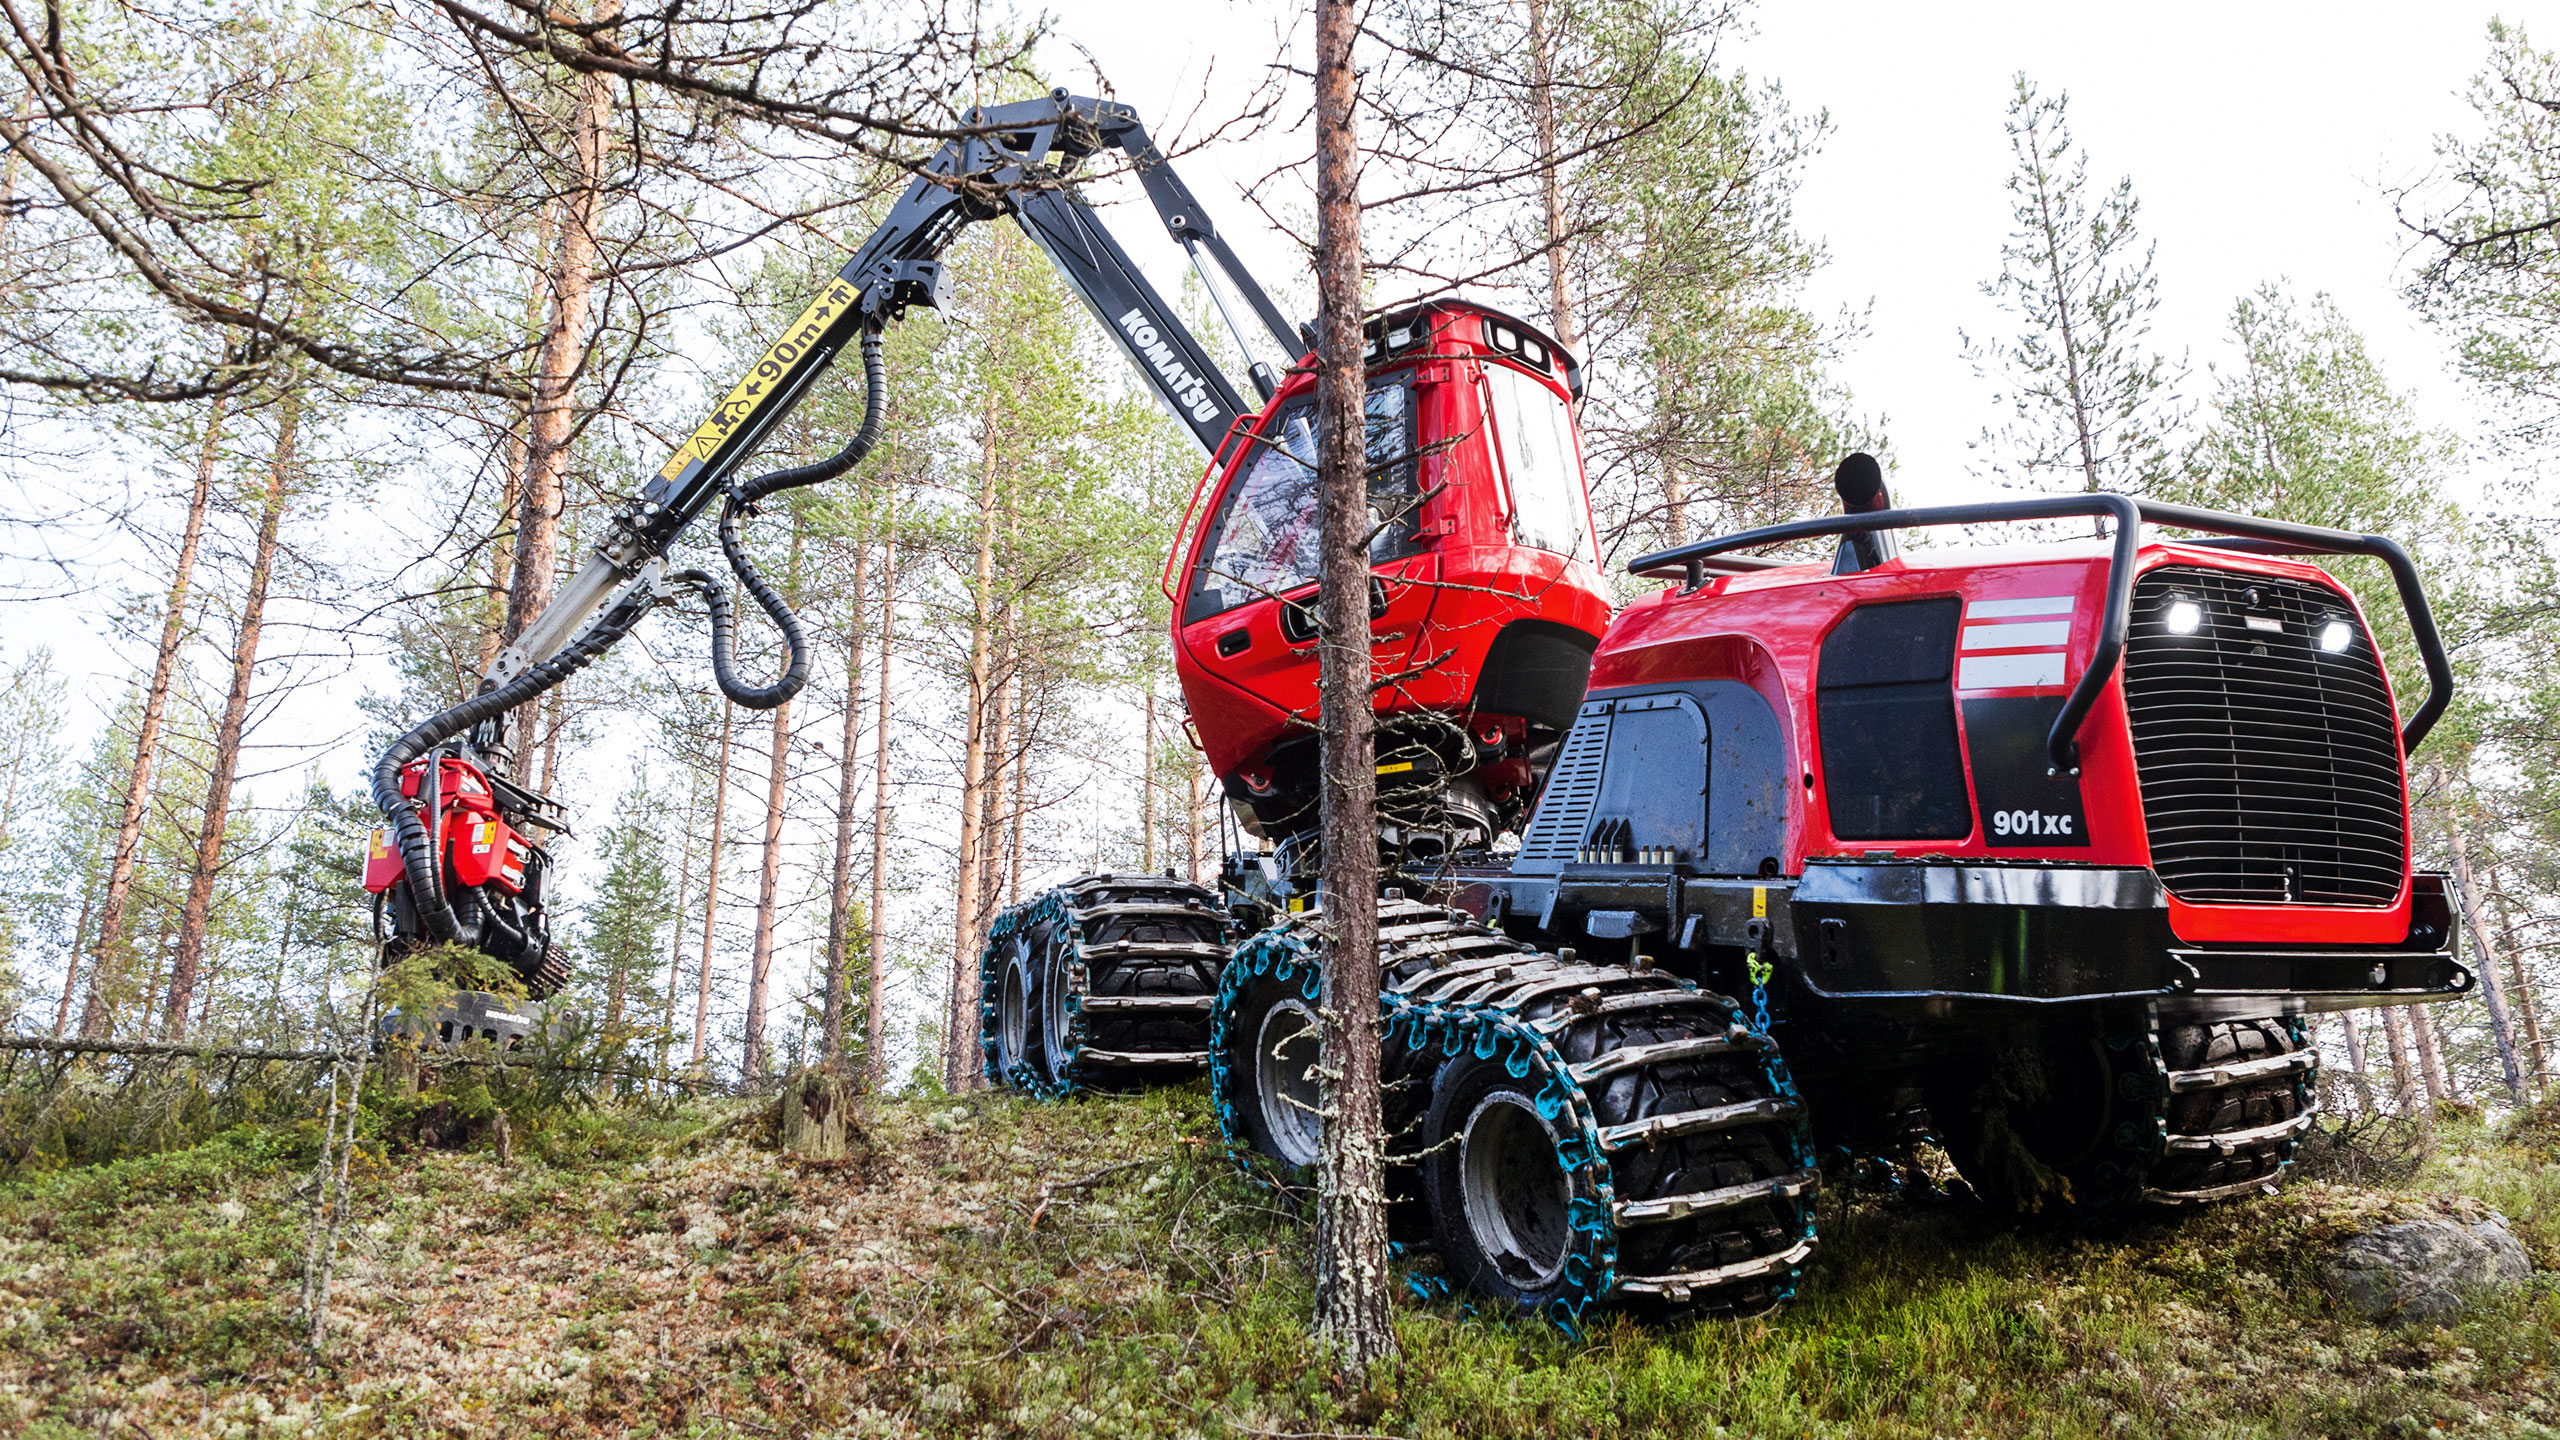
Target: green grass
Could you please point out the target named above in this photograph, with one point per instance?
(661, 1275)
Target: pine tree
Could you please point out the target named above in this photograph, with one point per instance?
(2487, 230)
(2091, 403)
(627, 920)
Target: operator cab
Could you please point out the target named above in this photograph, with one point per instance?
(1486, 600)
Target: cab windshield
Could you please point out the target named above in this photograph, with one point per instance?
(1262, 541)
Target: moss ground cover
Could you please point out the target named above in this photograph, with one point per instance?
(990, 1267)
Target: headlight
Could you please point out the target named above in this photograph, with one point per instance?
(2185, 616)
(2337, 635)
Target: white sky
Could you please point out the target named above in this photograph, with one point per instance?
(2260, 137)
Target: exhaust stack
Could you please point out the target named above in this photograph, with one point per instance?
(1860, 481)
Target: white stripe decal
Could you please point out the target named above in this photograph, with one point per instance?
(2032, 605)
(2004, 672)
(2017, 635)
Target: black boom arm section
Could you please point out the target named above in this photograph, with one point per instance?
(1016, 160)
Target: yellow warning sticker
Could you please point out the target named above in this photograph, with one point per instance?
(1397, 768)
(381, 845)
(767, 377)
(1759, 902)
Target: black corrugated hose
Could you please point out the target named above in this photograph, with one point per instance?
(410, 832)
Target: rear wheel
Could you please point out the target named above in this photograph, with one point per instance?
(1277, 1102)
(1102, 983)
(1567, 1133)
(1501, 1199)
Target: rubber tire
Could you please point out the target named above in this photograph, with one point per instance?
(2239, 1107)
(1021, 958)
(1690, 1163)
(1259, 997)
(1108, 1031)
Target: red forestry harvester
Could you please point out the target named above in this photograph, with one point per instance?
(2047, 851)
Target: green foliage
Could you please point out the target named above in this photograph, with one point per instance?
(2305, 427)
(31, 786)
(426, 979)
(60, 1114)
(630, 913)
(1710, 408)
(2489, 233)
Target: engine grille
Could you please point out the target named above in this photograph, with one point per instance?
(2270, 768)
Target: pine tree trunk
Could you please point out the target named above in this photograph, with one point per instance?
(711, 887)
(541, 500)
(1000, 770)
(1542, 103)
(1191, 827)
(105, 968)
(769, 878)
(961, 1061)
(1013, 827)
(840, 882)
(675, 927)
(1352, 1312)
(71, 967)
(2405, 1076)
(1147, 789)
(197, 911)
(768, 891)
(2362, 1078)
(502, 550)
(2431, 1055)
(2493, 986)
(2528, 1007)
(554, 709)
(875, 1058)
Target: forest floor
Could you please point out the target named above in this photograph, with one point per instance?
(997, 1268)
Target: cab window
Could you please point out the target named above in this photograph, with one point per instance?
(1542, 463)
(1262, 541)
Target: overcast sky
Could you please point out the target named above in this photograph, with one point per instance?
(2261, 138)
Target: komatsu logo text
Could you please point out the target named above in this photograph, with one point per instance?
(1189, 390)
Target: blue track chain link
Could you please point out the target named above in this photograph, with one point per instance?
(1289, 951)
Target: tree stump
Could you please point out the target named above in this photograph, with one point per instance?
(816, 1106)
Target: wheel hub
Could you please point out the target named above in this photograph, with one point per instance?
(1518, 1202)
(1285, 1084)
(1013, 1014)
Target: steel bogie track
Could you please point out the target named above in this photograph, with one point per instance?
(1104, 981)
(1581, 1133)
(2233, 1113)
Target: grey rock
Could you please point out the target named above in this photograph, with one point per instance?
(2424, 1270)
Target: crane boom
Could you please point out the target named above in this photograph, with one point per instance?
(1016, 160)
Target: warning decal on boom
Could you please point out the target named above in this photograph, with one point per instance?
(761, 382)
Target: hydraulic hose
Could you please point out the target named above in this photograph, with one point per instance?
(411, 834)
(741, 502)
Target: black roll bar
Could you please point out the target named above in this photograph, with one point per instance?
(2246, 533)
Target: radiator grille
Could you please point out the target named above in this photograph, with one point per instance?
(2270, 767)
(1573, 787)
